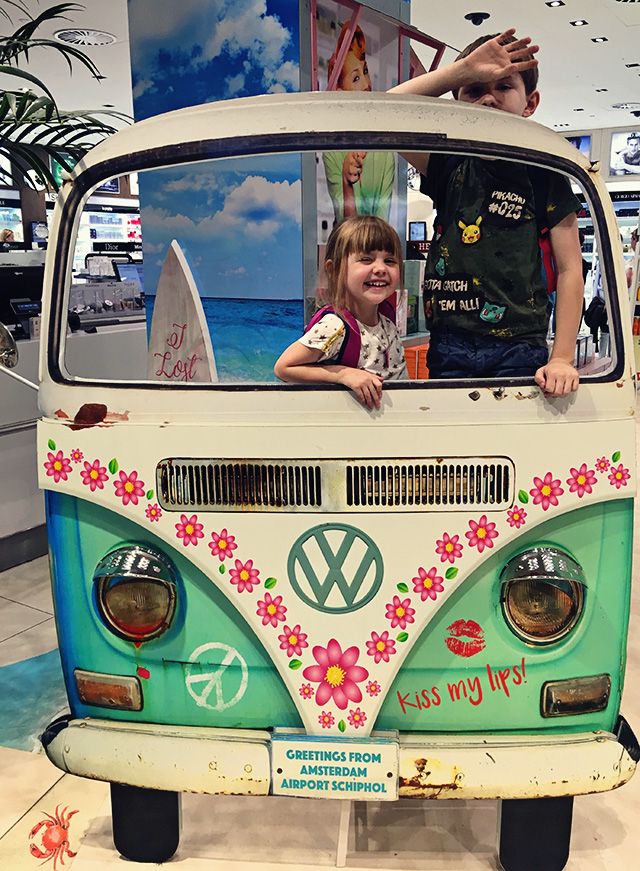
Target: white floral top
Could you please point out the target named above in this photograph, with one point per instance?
(381, 350)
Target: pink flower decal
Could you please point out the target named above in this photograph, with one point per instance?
(546, 491)
(57, 466)
(129, 488)
(481, 534)
(337, 674)
(428, 584)
(244, 576)
(222, 545)
(77, 455)
(448, 548)
(516, 516)
(307, 691)
(373, 688)
(292, 640)
(400, 613)
(94, 475)
(619, 477)
(381, 646)
(153, 512)
(581, 480)
(326, 719)
(189, 530)
(602, 464)
(271, 611)
(357, 718)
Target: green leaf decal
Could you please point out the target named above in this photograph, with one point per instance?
(221, 569)
(295, 663)
(149, 495)
(451, 573)
(403, 636)
(342, 725)
(270, 583)
(113, 466)
(51, 445)
(523, 496)
(615, 457)
(403, 588)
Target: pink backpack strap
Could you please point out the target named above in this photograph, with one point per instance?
(350, 350)
(385, 308)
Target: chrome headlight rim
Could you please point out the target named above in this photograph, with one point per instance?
(543, 564)
(130, 564)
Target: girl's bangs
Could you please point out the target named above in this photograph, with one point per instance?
(375, 236)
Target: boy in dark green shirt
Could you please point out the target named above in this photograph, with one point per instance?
(489, 315)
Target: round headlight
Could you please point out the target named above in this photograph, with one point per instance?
(542, 594)
(135, 592)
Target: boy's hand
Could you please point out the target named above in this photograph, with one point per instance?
(492, 61)
(366, 386)
(557, 378)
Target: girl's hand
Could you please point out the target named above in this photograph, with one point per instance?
(366, 386)
(492, 61)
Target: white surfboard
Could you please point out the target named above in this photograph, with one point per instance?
(180, 348)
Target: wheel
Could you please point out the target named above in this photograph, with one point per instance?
(535, 833)
(146, 822)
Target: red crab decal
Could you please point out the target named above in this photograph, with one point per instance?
(55, 841)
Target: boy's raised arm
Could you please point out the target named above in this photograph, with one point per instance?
(487, 63)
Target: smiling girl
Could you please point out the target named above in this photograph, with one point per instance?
(363, 262)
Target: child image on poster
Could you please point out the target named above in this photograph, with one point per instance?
(359, 183)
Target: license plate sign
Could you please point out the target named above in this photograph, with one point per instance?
(319, 768)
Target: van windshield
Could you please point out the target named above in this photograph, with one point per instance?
(207, 272)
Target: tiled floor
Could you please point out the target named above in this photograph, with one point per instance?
(223, 833)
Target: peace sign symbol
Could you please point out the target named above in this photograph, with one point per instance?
(202, 685)
(335, 568)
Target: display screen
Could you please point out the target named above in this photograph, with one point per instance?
(130, 272)
(417, 231)
(625, 153)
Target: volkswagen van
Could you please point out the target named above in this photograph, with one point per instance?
(268, 589)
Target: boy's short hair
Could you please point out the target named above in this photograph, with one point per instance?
(529, 77)
(357, 234)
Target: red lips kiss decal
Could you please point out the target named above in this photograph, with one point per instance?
(466, 638)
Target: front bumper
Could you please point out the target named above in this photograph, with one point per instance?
(237, 761)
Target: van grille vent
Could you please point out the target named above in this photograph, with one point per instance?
(213, 485)
(441, 484)
(332, 486)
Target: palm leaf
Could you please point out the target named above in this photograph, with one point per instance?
(33, 130)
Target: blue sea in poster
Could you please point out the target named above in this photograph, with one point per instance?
(248, 335)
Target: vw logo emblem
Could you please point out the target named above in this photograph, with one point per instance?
(335, 568)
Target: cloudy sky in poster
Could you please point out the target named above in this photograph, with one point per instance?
(239, 224)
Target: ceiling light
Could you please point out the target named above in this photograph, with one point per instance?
(555, 3)
(632, 65)
(579, 23)
(600, 39)
(629, 106)
(578, 110)
(601, 90)
(84, 36)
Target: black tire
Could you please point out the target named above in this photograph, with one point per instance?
(146, 822)
(535, 833)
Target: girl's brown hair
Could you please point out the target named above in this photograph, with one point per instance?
(356, 235)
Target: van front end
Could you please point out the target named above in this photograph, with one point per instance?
(202, 638)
